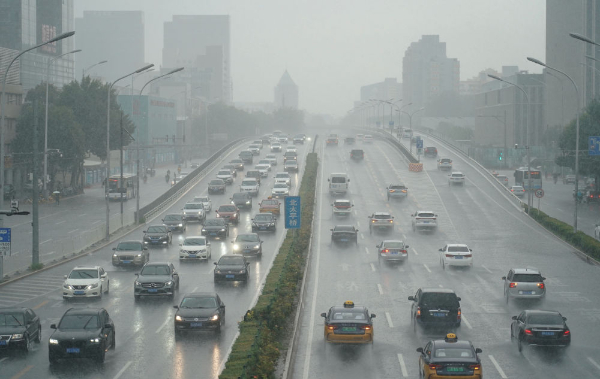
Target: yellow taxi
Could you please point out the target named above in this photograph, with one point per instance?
(348, 324)
(270, 205)
(449, 358)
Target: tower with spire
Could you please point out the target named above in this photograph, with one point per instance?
(286, 92)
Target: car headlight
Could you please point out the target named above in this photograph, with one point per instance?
(115, 255)
(214, 317)
(257, 246)
(137, 284)
(242, 271)
(17, 336)
(236, 247)
(169, 283)
(145, 241)
(204, 230)
(223, 229)
(93, 285)
(248, 202)
(217, 271)
(178, 318)
(139, 255)
(95, 340)
(180, 225)
(53, 341)
(66, 286)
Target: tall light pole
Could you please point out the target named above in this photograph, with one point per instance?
(2, 111)
(576, 130)
(89, 68)
(106, 181)
(393, 104)
(50, 61)
(410, 116)
(527, 148)
(137, 203)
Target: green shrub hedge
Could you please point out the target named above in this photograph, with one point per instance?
(256, 351)
(580, 240)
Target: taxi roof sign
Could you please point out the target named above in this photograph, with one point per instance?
(348, 304)
(451, 337)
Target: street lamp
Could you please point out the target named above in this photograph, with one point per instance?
(410, 116)
(393, 104)
(108, 146)
(2, 111)
(89, 68)
(137, 203)
(576, 36)
(50, 61)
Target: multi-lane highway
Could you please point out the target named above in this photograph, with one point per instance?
(145, 341)
(499, 234)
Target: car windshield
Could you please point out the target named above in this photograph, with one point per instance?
(224, 172)
(280, 185)
(173, 218)
(442, 300)
(129, 246)
(528, 278)
(458, 249)
(11, 319)
(545, 319)
(83, 274)
(457, 175)
(269, 202)
(240, 195)
(193, 206)
(155, 270)
(231, 261)
(343, 228)
(264, 162)
(263, 217)
(79, 322)
(247, 238)
(393, 245)
(157, 229)
(227, 208)
(342, 204)
(194, 241)
(282, 176)
(249, 183)
(425, 214)
(214, 222)
(454, 353)
(338, 179)
(382, 216)
(397, 187)
(201, 200)
(198, 302)
(349, 314)
(518, 188)
(216, 182)
(501, 177)
(445, 160)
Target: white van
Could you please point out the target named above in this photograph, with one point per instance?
(338, 183)
(408, 133)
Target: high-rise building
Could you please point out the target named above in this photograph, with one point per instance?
(203, 42)
(428, 72)
(286, 92)
(386, 90)
(24, 24)
(113, 36)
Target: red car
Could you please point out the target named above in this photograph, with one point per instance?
(229, 212)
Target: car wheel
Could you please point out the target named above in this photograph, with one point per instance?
(100, 357)
(101, 292)
(38, 338)
(443, 265)
(414, 325)
(113, 343)
(27, 344)
(108, 287)
(512, 337)
(520, 344)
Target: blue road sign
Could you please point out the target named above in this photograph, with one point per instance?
(4, 241)
(594, 145)
(391, 123)
(292, 212)
(419, 143)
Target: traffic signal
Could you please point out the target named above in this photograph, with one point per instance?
(501, 156)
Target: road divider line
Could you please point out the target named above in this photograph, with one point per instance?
(41, 243)
(594, 363)
(72, 231)
(372, 267)
(389, 319)
(122, 371)
(402, 366)
(22, 372)
(163, 325)
(40, 304)
(426, 267)
(195, 289)
(3, 359)
(61, 222)
(380, 289)
(96, 222)
(466, 322)
(414, 250)
(362, 236)
(497, 366)
(487, 269)
(366, 250)
(358, 223)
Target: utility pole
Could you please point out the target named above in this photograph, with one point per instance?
(35, 243)
(121, 163)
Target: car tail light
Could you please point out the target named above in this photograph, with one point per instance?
(392, 190)
(332, 327)
(458, 315)
(404, 191)
(391, 221)
(418, 312)
(365, 327)
(403, 251)
(512, 285)
(449, 255)
(512, 190)
(541, 286)
(567, 333)
(469, 256)
(475, 367)
(528, 332)
(386, 251)
(433, 366)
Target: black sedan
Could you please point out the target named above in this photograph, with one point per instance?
(19, 327)
(344, 234)
(216, 227)
(82, 333)
(231, 268)
(158, 235)
(247, 244)
(216, 186)
(264, 222)
(175, 222)
(540, 328)
(200, 311)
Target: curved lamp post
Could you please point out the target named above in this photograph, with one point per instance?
(89, 68)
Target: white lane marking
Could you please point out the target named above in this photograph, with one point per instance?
(210, 270)
(404, 236)
(41, 243)
(466, 322)
(358, 223)
(362, 236)
(415, 251)
(195, 289)
(311, 325)
(72, 231)
(402, 366)
(366, 250)
(594, 363)
(441, 286)
(487, 269)
(389, 319)
(96, 222)
(497, 366)
(61, 222)
(372, 267)
(426, 268)
(380, 289)
(355, 213)
(123, 370)
(163, 325)
(3, 359)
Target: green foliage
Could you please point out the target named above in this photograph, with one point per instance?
(455, 132)
(36, 267)
(256, 351)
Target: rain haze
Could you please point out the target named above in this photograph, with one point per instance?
(332, 48)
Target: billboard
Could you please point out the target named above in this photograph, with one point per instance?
(49, 25)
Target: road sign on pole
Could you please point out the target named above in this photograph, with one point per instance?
(292, 212)
(594, 145)
(419, 143)
(539, 193)
(4, 241)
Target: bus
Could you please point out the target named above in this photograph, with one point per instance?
(522, 179)
(127, 187)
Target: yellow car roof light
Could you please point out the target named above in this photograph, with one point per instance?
(348, 304)
(451, 337)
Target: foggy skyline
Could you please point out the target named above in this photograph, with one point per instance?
(332, 48)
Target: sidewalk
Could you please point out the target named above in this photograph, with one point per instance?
(73, 225)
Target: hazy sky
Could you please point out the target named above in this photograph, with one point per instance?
(333, 47)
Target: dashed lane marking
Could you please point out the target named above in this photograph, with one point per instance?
(72, 231)
(123, 370)
(466, 322)
(362, 236)
(358, 223)
(414, 250)
(487, 269)
(61, 222)
(426, 267)
(389, 319)
(22, 372)
(372, 267)
(594, 363)
(380, 289)
(402, 366)
(366, 250)
(163, 325)
(41, 304)
(497, 366)
(48, 240)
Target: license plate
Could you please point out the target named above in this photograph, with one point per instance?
(152, 290)
(458, 257)
(344, 239)
(527, 292)
(195, 324)
(3, 343)
(73, 350)
(439, 314)
(213, 234)
(394, 253)
(263, 228)
(246, 251)
(455, 369)
(425, 222)
(547, 333)
(192, 255)
(126, 262)
(348, 329)
(229, 276)
(79, 292)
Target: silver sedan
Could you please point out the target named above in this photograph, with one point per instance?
(392, 250)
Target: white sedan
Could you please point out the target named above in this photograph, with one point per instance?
(85, 281)
(456, 254)
(280, 190)
(195, 248)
